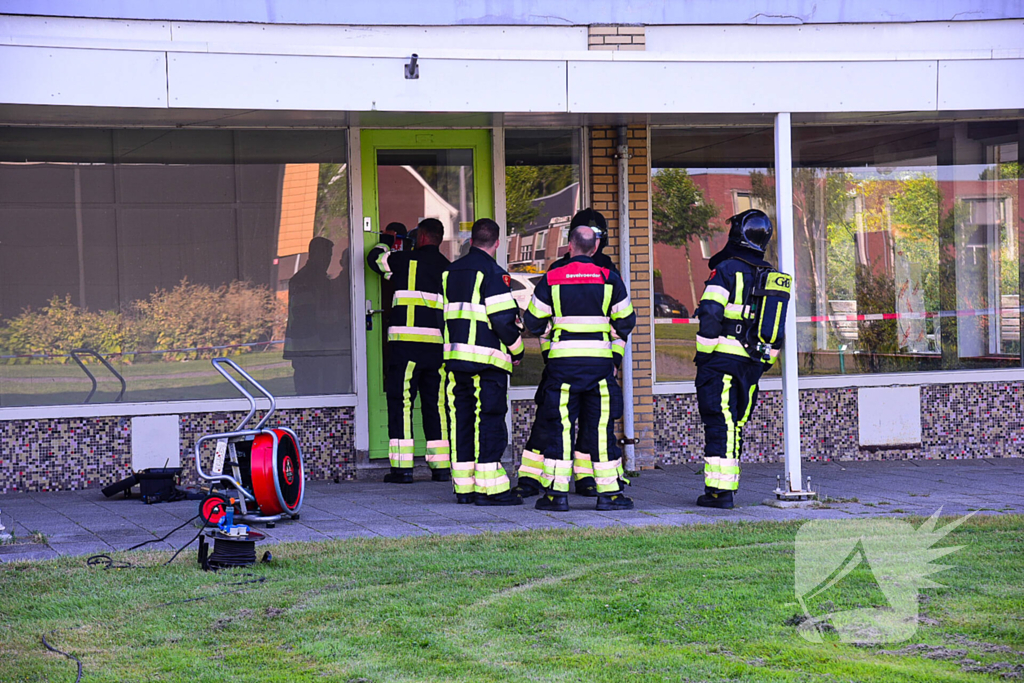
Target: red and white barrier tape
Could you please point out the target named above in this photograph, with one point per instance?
(966, 313)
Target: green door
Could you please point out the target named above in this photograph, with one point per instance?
(409, 175)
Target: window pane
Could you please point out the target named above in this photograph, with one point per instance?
(700, 177)
(542, 192)
(158, 250)
(907, 246)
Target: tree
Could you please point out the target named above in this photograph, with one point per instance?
(681, 214)
(520, 182)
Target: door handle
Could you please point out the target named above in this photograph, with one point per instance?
(370, 310)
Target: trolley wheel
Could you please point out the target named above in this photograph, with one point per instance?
(213, 508)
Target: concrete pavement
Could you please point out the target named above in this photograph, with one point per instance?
(85, 523)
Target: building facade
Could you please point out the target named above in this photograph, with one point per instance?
(162, 176)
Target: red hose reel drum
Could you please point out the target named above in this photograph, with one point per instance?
(277, 478)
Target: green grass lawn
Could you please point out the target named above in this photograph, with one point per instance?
(705, 603)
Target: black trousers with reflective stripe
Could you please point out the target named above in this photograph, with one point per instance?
(406, 380)
(477, 403)
(535, 441)
(726, 395)
(580, 406)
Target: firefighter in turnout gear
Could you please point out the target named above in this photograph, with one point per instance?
(583, 308)
(483, 341)
(415, 351)
(727, 375)
(531, 469)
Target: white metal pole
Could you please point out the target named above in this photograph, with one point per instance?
(787, 264)
(627, 356)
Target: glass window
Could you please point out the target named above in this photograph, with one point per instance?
(907, 246)
(542, 192)
(700, 177)
(144, 253)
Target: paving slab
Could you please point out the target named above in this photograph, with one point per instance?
(84, 522)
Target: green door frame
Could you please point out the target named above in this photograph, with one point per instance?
(477, 140)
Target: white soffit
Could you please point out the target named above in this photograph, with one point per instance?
(982, 84)
(669, 87)
(412, 38)
(113, 78)
(364, 84)
(729, 43)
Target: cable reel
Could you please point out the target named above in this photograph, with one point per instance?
(256, 470)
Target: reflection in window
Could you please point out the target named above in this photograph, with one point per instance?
(699, 178)
(159, 250)
(907, 247)
(429, 183)
(542, 192)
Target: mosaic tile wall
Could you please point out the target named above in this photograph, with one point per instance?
(71, 454)
(64, 454)
(982, 420)
(522, 420)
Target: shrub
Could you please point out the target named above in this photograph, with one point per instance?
(192, 317)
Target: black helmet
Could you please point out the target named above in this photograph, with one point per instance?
(751, 229)
(595, 221)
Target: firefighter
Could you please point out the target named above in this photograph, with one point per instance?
(726, 374)
(483, 341)
(531, 478)
(584, 308)
(415, 350)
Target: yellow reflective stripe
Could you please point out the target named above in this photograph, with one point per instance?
(499, 302)
(582, 465)
(715, 293)
(476, 300)
(556, 300)
(478, 354)
(602, 422)
(563, 413)
(618, 347)
(623, 312)
(476, 426)
(491, 478)
(737, 297)
(730, 427)
(410, 312)
(407, 400)
(400, 452)
(516, 347)
(606, 475)
(736, 311)
(532, 465)
(459, 314)
(428, 335)
(750, 407)
(606, 301)
(538, 308)
(775, 328)
(722, 473)
(559, 472)
(382, 261)
(443, 400)
(706, 344)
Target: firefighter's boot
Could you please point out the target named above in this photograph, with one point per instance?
(716, 498)
(441, 474)
(586, 487)
(614, 501)
(399, 475)
(527, 487)
(553, 501)
(499, 499)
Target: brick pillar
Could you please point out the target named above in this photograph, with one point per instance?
(605, 198)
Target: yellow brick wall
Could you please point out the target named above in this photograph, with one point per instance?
(605, 198)
(616, 38)
(298, 208)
